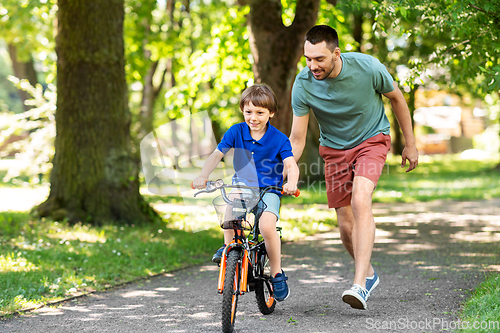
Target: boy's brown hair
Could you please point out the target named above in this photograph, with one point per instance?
(260, 95)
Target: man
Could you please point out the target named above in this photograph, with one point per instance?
(345, 93)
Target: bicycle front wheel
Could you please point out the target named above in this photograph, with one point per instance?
(263, 288)
(230, 291)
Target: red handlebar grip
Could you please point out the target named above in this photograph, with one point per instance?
(194, 188)
(296, 194)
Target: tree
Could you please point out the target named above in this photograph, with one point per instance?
(27, 29)
(95, 173)
(473, 55)
(185, 56)
(276, 49)
(24, 69)
(397, 47)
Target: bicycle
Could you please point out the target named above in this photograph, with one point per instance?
(244, 265)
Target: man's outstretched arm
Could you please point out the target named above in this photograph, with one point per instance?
(298, 135)
(403, 116)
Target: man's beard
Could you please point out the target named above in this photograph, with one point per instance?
(327, 75)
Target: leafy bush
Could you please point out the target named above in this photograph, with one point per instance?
(36, 149)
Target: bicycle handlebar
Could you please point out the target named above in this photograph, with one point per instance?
(211, 186)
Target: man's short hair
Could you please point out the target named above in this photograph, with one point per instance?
(260, 95)
(323, 33)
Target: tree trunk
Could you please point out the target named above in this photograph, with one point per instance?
(277, 49)
(150, 92)
(398, 143)
(411, 104)
(148, 100)
(357, 32)
(95, 174)
(397, 138)
(23, 70)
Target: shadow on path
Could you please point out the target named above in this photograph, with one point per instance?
(429, 256)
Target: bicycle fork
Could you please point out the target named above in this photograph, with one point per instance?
(245, 264)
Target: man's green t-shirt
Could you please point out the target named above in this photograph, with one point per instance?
(349, 107)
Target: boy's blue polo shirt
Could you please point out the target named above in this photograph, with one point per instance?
(257, 158)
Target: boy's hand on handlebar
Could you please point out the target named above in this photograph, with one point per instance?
(290, 189)
(199, 182)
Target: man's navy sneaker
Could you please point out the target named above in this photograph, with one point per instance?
(356, 297)
(372, 283)
(280, 287)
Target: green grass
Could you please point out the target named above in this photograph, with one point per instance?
(42, 261)
(483, 309)
(439, 177)
(436, 177)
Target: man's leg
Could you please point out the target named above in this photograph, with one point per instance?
(362, 226)
(355, 217)
(363, 231)
(357, 228)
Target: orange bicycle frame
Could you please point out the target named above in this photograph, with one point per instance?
(244, 266)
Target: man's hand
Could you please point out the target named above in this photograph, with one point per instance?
(410, 154)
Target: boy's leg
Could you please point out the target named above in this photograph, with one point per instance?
(272, 239)
(229, 233)
(228, 236)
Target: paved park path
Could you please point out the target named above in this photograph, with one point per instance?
(429, 257)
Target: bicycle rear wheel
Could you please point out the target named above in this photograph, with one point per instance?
(263, 288)
(230, 291)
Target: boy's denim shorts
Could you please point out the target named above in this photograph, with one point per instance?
(272, 201)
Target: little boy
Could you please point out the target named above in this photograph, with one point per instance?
(271, 152)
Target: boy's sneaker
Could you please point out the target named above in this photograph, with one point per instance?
(356, 297)
(372, 283)
(280, 287)
(218, 255)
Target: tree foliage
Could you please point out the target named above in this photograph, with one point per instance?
(195, 55)
(36, 130)
(277, 48)
(187, 56)
(29, 25)
(473, 27)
